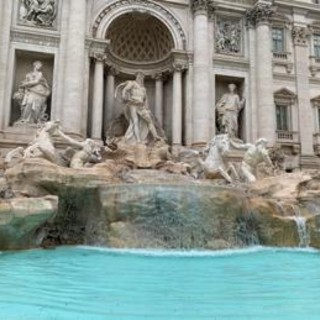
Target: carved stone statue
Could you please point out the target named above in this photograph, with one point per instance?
(43, 147)
(38, 12)
(227, 110)
(134, 98)
(215, 166)
(32, 96)
(228, 36)
(255, 154)
(89, 153)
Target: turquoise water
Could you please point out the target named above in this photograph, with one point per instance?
(94, 284)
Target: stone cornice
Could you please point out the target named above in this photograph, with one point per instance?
(97, 48)
(231, 61)
(35, 38)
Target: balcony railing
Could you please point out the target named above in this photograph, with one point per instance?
(287, 135)
(281, 56)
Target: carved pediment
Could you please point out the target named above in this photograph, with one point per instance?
(316, 101)
(284, 95)
(280, 19)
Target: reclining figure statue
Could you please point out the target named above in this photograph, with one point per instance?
(43, 147)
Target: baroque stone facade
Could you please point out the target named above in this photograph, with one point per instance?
(190, 52)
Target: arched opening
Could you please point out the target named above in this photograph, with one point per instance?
(141, 41)
(139, 38)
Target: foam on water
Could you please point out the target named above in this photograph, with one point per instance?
(197, 253)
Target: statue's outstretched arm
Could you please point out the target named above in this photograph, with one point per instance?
(70, 140)
(240, 146)
(119, 89)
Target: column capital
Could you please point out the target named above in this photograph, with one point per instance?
(99, 56)
(300, 35)
(179, 66)
(202, 7)
(112, 70)
(262, 12)
(159, 76)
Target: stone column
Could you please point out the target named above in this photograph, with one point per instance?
(260, 17)
(159, 97)
(201, 73)
(177, 106)
(5, 24)
(301, 55)
(253, 112)
(97, 106)
(74, 68)
(109, 96)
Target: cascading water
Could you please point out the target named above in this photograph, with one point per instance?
(301, 227)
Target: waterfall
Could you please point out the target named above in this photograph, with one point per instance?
(301, 227)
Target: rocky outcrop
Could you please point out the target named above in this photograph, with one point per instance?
(22, 219)
(113, 206)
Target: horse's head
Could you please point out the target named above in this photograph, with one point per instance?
(222, 142)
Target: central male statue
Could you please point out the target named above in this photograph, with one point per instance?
(228, 109)
(137, 112)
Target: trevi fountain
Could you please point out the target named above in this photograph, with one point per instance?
(135, 186)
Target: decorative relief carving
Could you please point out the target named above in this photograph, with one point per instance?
(300, 35)
(38, 13)
(228, 36)
(261, 12)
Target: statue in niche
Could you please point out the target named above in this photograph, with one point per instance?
(228, 37)
(38, 12)
(228, 109)
(32, 97)
(255, 154)
(133, 95)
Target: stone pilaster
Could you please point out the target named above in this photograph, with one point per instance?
(201, 72)
(188, 94)
(5, 23)
(74, 68)
(98, 87)
(259, 17)
(301, 54)
(253, 112)
(159, 97)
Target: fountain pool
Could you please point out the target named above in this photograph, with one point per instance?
(81, 283)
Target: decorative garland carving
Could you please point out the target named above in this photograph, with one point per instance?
(147, 5)
(300, 35)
